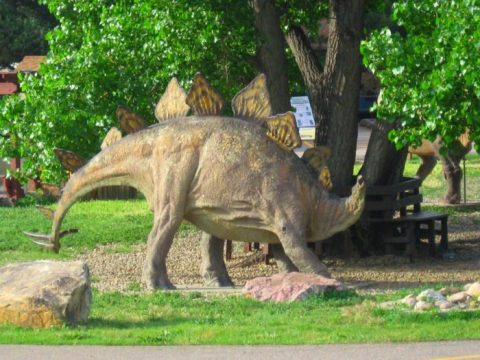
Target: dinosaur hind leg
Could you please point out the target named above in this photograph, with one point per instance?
(213, 269)
(173, 178)
(159, 242)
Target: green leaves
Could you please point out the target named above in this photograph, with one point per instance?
(430, 73)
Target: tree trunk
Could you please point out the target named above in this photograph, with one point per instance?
(271, 54)
(383, 164)
(334, 91)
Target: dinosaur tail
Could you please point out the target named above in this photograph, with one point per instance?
(107, 168)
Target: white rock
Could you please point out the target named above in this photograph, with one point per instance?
(473, 290)
(423, 305)
(430, 295)
(459, 297)
(448, 291)
(44, 293)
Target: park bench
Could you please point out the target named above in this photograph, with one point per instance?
(394, 217)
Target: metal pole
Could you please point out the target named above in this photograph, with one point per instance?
(464, 182)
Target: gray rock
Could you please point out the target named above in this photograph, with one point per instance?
(286, 287)
(44, 293)
(430, 295)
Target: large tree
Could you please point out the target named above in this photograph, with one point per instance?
(428, 68)
(23, 25)
(334, 87)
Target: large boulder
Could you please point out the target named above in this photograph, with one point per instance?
(292, 286)
(44, 293)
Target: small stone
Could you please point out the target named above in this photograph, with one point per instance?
(448, 291)
(388, 305)
(410, 300)
(460, 297)
(44, 293)
(473, 290)
(444, 305)
(423, 305)
(292, 286)
(430, 295)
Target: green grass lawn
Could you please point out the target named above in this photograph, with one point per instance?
(171, 318)
(99, 223)
(174, 318)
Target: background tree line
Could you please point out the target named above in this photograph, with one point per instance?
(107, 52)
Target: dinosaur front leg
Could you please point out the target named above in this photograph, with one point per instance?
(284, 263)
(301, 256)
(213, 267)
(427, 166)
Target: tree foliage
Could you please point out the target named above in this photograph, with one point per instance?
(106, 53)
(429, 70)
(23, 25)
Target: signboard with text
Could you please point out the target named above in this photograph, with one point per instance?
(304, 117)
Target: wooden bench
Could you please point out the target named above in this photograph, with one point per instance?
(393, 216)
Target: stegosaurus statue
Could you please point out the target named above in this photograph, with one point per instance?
(233, 177)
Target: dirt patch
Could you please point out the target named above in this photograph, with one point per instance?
(113, 269)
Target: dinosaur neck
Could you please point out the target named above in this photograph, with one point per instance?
(334, 214)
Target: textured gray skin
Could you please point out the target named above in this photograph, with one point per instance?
(227, 178)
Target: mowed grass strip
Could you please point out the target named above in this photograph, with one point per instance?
(434, 186)
(173, 318)
(99, 223)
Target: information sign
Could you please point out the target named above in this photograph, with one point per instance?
(304, 117)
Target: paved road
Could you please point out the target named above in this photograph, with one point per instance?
(458, 350)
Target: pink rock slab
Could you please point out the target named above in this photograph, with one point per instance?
(287, 287)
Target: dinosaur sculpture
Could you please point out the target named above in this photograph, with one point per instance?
(230, 176)
(429, 152)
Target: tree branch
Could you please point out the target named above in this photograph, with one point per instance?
(305, 58)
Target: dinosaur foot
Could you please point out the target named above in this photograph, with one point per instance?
(218, 282)
(155, 283)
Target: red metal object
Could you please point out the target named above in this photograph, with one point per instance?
(12, 185)
(8, 83)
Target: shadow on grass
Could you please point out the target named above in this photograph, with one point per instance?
(100, 323)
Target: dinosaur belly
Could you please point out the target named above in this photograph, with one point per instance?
(236, 226)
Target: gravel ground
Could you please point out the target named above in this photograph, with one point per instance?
(113, 269)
